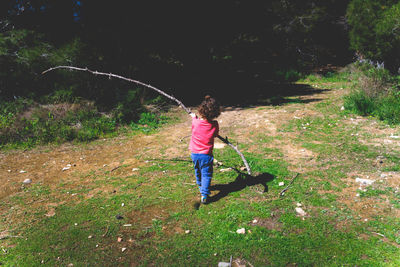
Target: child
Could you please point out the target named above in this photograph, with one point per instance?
(204, 130)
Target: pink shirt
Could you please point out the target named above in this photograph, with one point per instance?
(203, 134)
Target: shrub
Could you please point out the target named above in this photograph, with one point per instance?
(375, 92)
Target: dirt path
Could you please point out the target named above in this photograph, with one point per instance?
(69, 163)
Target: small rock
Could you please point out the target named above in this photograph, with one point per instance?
(119, 239)
(135, 169)
(122, 204)
(255, 221)
(22, 171)
(90, 237)
(342, 108)
(225, 170)
(364, 181)
(187, 232)
(298, 204)
(224, 264)
(123, 249)
(241, 231)
(97, 246)
(66, 168)
(219, 145)
(281, 183)
(300, 212)
(27, 181)
(104, 165)
(9, 170)
(75, 224)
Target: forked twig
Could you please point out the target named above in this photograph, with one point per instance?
(225, 140)
(287, 187)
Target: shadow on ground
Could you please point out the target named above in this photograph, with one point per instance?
(242, 181)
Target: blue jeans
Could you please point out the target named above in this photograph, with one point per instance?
(203, 169)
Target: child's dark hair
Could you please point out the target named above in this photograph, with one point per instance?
(209, 108)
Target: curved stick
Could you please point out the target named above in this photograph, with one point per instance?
(225, 140)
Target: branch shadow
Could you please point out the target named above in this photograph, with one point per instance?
(241, 182)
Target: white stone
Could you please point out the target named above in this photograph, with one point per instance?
(281, 183)
(218, 145)
(300, 211)
(187, 232)
(135, 169)
(241, 231)
(298, 204)
(66, 168)
(255, 221)
(27, 181)
(123, 249)
(22, 171)
(342, 108)
(364, 181)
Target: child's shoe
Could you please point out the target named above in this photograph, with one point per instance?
(203, 199)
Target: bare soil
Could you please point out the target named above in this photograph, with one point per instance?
(122, 155)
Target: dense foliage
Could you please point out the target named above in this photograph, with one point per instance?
(234, 50)
(375, 30)
(375, 93)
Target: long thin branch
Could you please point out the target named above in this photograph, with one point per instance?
(225, 140)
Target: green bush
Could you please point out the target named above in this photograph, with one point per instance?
(359, 102)
(375, 92)
(374, 31)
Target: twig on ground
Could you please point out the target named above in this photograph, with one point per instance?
(113, 169)
(106, 232)
(109, 75)
(10, 236)
(287, 187)
(183, 138)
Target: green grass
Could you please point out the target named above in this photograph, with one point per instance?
(160, 204)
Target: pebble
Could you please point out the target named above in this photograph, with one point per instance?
(281, 183)
(135, 169)
(89, 237)
(123, 249)
(22, 171)
(300, 211)
(241, 231)
(27, 181)
(255, 221)
(187, 232)
(66, 168)
(364, 181)
(298, 204)
(122, 204)
(119, 239)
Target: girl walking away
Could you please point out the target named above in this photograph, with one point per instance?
(204, 130)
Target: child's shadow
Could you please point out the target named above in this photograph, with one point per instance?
(240, 183)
